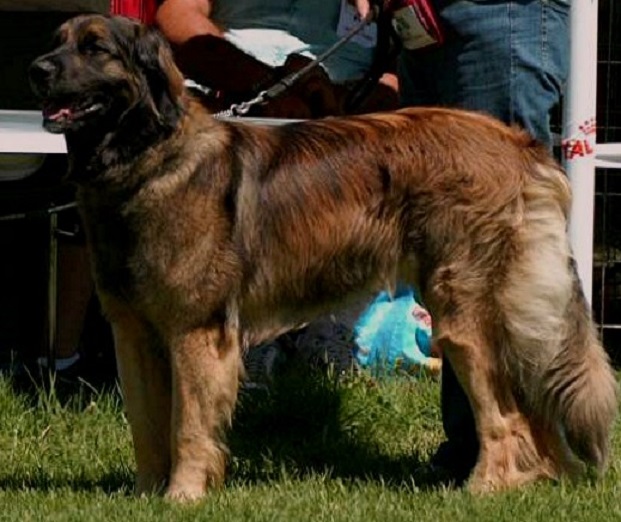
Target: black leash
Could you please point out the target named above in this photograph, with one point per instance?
(240, 109)
(387, 48)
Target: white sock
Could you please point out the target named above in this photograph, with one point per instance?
(61, 363)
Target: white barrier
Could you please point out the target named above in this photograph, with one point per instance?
(579, 133)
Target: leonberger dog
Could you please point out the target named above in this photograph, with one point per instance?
(209, 236)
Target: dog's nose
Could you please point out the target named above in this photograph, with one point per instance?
(41, 72)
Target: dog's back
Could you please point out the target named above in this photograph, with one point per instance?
(338, 205)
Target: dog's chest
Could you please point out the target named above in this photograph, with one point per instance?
(112, 243)
(156, 254)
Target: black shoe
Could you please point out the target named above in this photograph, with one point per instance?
(454, 461)
(262, 363)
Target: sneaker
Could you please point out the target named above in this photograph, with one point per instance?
(327, 344)
(262, 363)
(71, 371)
(454, 461)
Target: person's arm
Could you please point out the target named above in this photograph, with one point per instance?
(180, 20)
(202, 53)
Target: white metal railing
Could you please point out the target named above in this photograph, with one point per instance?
(608, 155)
(582, 153)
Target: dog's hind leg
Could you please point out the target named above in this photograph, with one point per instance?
(144, 373)
(509, 455)
(205, 377)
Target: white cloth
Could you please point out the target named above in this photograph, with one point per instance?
(270, 30)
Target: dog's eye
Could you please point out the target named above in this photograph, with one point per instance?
(92, 46)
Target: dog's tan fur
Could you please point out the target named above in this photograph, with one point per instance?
(209, 236)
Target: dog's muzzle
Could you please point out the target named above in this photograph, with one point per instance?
(42, 73)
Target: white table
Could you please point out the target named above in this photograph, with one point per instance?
(608, 155)
(23, 132)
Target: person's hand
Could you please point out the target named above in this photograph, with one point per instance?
(364, 6)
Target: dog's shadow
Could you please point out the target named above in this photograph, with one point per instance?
(299, 428)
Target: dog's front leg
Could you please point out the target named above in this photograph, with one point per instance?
(144, 372)
(205, 364)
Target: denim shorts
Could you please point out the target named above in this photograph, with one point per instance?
(507, 58)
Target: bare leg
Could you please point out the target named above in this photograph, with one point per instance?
(75, 288)
(205, 365)
(144, 372)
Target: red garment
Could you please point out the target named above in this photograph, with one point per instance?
(143, 10)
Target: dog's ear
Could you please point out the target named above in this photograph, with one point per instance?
(154, 58)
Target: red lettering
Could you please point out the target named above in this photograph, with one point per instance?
(573, 148)
(566, 145)
(577, 149)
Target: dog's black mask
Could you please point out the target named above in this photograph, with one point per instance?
(101, 69)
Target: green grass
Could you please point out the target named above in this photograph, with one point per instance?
(311, 449)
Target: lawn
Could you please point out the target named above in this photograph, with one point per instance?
(310, 449)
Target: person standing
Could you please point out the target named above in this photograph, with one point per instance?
(509, 59)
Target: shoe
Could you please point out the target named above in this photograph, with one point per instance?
(262, 363)
(454, 461)
(327, 345)
(80, 369)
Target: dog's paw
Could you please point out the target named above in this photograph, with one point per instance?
(184, 494)
(478, 486)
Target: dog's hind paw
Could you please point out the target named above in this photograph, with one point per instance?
(184, 495)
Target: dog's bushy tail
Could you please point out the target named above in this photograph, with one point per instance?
(579, 389)
(553, 355)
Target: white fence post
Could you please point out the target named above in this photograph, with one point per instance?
(579, 134)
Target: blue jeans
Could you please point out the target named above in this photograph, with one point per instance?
(506, 58)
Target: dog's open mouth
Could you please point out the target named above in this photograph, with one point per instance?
(58, 116)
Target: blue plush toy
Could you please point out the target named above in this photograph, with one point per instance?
(394, 333)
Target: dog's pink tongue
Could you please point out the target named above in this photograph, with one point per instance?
(62, 113)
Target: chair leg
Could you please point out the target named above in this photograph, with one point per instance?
(52, 290)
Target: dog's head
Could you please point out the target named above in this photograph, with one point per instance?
(101, 68)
